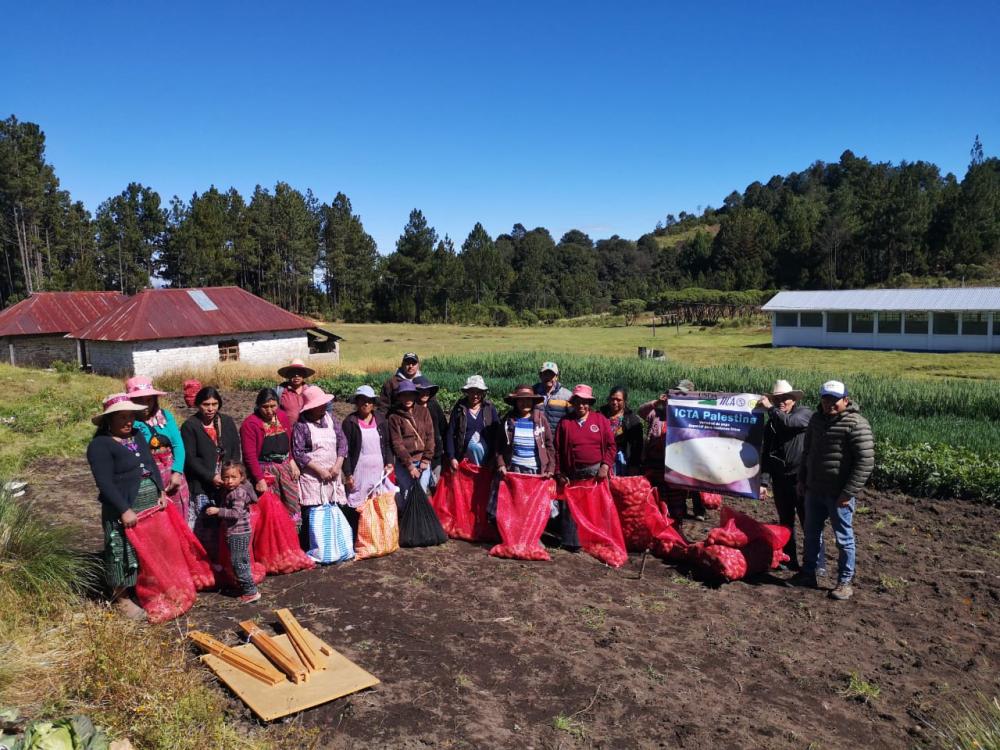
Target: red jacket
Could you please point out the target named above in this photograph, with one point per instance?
(252, 441)
(578, 446)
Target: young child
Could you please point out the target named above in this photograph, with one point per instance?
(236, 495)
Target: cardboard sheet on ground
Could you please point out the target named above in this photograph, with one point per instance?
(341, 677)
(714, 442)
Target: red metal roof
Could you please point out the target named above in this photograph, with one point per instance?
(56, 312)
(182, 313)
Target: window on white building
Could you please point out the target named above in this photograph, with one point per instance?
(811, 319)
(915, 322)
(786, 320)
(890, 322)
(229, 351)
(945, 324)
(975, 323)
(838, 322)
(862, 322)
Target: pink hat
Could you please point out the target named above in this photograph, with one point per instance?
(116, 402)
(314, 396)
(140, 386)
(584, 393)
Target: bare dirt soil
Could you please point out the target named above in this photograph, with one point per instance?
(474, 651)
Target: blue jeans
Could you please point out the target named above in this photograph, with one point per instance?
(818, 509)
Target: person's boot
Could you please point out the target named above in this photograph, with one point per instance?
(842, 592)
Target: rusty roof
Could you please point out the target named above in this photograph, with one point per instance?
(56, 312)
(183, 313)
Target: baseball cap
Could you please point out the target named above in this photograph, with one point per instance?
(833, 388)
(365, 390)
(549, 366)
(411, 357)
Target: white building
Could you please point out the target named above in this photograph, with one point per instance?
(172, 330)
(938, 320)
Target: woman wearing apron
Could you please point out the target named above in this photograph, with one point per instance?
(163, 436)
(266, 437)
(319, 448)
(369, 454)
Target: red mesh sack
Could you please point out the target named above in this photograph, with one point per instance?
(760, 557)
(633, 497)
(191, 388)
(460, 502)
(670, 543)
(274, 538)
(165, 586)
(775, 536)
(644, 519)
(711, 500)
(727, 534)
(719, 561)
(194, 554)
(596, 519)
(225, 575)
(522, 512)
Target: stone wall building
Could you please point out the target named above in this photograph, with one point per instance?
(33, 331)
(161, 331)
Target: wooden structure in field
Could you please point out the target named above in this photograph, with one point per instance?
(282, 674)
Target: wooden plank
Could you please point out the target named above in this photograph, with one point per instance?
(300, 642)
(341, 677)
(284, 660)
(251, 664)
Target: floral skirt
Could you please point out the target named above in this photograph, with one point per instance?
(286, 486)
(121, 566)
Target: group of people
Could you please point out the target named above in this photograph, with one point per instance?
(814, 464)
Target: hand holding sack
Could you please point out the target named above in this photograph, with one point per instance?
(596, 519)
(274, 541)
(523, 502)
(460, 502)
(173, 565)
(378, 523)
(330, 537)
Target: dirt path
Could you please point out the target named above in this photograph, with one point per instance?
(474, 651)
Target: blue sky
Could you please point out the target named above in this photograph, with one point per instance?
(599, 116)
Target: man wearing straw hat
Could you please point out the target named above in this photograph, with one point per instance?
(784, 435)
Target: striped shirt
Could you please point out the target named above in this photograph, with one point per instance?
(524, 444)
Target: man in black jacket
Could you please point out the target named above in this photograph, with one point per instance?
(784, 435)
(838, 456)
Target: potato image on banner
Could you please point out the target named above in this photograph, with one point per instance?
(716, 460)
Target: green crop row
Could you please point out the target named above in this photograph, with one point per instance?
(938, 439)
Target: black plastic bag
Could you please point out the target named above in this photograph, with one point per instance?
(418, 523)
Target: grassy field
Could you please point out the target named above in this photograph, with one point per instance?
(669, 240)
(379, 346)
(63, 652)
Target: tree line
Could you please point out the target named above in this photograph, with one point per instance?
(850, 224)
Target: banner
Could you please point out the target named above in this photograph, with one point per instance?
(714, 442)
